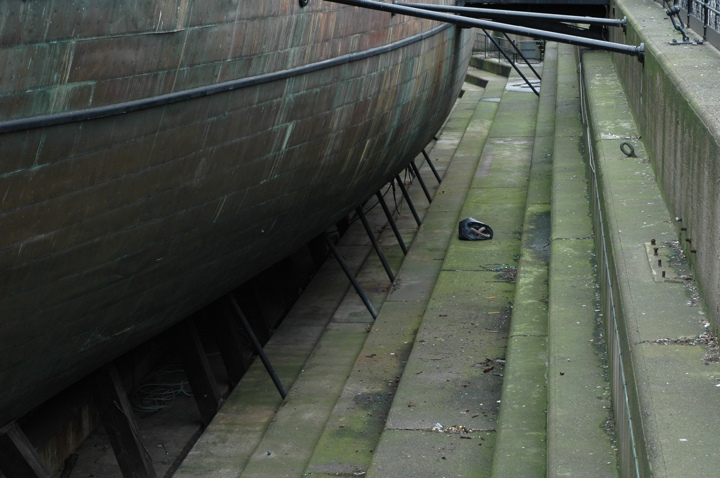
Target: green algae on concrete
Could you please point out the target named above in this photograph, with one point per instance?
(578, 387)
(521, 421)
(453, 375)
(353, 429)
(670, 388)
(352, 432)
(428, 453)
(288, 441)
(677, 111)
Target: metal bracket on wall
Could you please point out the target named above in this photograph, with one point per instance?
(673, 12)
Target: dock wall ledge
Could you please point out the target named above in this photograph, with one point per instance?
(675, 101)
(663, 360)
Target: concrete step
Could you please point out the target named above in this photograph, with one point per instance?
(580, 442)
(348, 443)
(442, 421)
(476, 77)
(521, 422)
(491, 65)
(556, 395)
(258, 434)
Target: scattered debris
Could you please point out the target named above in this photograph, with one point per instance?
(456, 429)
(707, 340)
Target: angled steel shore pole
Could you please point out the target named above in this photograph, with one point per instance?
(258, 348)
(466, 22)
(476, 12)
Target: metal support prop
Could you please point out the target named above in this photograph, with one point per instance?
(390, 219)
(18, 457)
(513, 14)
(258, 348)
(416, 171)
(432, 166)
(375, 243)
(351, 277)
(119, 421)
(408, 200)
(500, 49)
(466, 22)
(198, 369)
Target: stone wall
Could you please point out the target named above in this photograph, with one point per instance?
(676, 102)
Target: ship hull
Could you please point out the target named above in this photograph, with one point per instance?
(118, 224)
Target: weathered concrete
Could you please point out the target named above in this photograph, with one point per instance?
(453, 378)
(354, 428)
(579, 411)
(521, 422)
(662, 329)
(675, 100)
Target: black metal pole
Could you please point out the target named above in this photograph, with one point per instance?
(420, 180)
(511, 14)
(258, 348)
(500, 27)
(408, 200)
(519, 52)
(500, 49)
(432, 166)
(351, 277)
(375, 244)
(390, 219)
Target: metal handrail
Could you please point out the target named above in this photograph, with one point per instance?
(492, 13)
(466, 22)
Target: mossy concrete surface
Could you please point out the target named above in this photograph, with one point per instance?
(444, 416)
(350, 437)
(672, 373)
(675, 100)
(521, 422)
(579, 412)
(426, 453)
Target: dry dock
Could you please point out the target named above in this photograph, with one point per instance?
(489, 358)
(452, 377)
